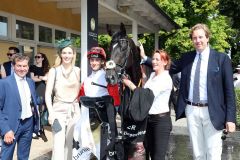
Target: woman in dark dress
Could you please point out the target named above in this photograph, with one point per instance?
(38, 73)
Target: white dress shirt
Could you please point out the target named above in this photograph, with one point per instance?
(25, 96)
(203, 75)
(161, 85)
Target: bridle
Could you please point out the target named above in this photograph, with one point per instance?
(120, 69)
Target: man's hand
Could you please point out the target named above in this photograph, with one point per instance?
(230, 127)
(9, 137)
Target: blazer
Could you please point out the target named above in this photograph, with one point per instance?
(10, 105)
(220, 89)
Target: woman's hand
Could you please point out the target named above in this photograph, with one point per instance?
(51, 118)
(142, 52)
(128, 83)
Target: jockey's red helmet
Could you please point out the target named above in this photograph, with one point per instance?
(97, 52)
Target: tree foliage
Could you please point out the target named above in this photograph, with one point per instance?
(104, 42)
(187, 13)
(231, 9)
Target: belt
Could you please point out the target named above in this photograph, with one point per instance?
(159, 115)
(197, 104)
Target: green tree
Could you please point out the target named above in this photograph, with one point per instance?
(104, 42)
(187, 13)
(231, 9)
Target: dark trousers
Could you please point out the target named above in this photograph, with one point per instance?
(23, 138)
(157, 136)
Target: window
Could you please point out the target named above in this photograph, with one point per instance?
(59, 35)
(3, 26)
(24, 30)
(45, 34)
(75, 36)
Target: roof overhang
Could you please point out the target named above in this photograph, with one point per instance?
(149, 17)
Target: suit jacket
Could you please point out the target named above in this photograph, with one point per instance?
(220, 90)
(10, 105)
(7, 66)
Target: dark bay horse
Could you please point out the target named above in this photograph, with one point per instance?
(125, 60)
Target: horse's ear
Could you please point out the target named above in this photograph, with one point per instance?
(140, 36)
(109, 30)
(123, 29)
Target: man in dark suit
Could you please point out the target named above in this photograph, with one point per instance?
(206, 95)
(18, 111)
(7, 67)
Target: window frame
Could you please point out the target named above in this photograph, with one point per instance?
(12, 18)
(8, 16)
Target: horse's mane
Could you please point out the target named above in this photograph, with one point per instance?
(134, 63)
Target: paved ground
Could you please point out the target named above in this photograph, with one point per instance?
(41, 150)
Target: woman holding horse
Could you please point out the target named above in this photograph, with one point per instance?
(159, 122)
(63, 85)
(96, 117)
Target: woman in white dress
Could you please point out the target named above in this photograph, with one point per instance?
(63, 84)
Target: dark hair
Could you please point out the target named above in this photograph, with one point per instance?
(18, 58)
(45, 63)
(16, 50)
(164, 56)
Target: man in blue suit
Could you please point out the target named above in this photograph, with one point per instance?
(206, 95)
(18, 111)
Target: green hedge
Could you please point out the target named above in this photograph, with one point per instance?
(237, 92)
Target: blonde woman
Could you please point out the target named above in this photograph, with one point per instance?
(63, 85)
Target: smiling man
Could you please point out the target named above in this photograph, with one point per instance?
(18, 110)
(206, 95)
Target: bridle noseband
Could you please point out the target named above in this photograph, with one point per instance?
(120, 68)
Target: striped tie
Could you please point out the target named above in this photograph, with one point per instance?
(196, 94)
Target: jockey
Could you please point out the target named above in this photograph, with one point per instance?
(92, 132)
(96, 85)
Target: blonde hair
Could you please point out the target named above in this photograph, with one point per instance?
(58, 60)
(200, 26)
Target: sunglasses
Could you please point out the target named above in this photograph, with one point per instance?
(9, 54)
(37, 57)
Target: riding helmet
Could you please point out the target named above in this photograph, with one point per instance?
(97, 52)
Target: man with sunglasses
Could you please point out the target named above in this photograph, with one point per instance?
(7, 68)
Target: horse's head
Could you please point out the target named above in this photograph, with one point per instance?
(124, 54)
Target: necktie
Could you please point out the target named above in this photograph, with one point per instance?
(196, 94)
